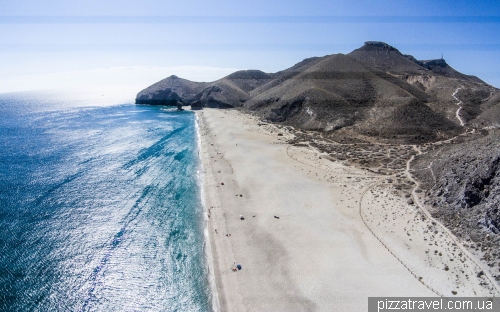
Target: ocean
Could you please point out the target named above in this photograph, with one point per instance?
(100, 206)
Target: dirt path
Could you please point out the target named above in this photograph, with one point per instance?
(454, 95)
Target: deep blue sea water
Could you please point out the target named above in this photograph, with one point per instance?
(100, 206)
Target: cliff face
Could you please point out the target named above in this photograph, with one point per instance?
(462, 185)
(170, 91)
(373, 92)
(466, 178)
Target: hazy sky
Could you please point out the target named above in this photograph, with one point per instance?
(131, 44)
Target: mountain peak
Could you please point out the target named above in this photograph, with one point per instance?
(430, 64)
(380, 44)
(249, 74)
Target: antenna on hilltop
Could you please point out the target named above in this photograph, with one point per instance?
(441, 54)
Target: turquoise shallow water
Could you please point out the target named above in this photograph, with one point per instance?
(100, 207)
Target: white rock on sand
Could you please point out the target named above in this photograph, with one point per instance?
(318, 254)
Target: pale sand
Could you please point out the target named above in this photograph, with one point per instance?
(343, 234)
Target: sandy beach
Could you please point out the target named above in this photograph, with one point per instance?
(316, 235)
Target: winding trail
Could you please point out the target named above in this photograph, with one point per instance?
(489, 97)
(454, 95)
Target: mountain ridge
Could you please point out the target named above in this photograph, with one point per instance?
(375, 92)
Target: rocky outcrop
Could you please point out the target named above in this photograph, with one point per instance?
(170, 91)
(422, 82)
(468, 179)
(462, 185)
(381, 45)
(433, 64)
(440, 67)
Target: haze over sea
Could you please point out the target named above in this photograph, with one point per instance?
(100, 206)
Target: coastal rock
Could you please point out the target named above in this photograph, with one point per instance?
(230, 91)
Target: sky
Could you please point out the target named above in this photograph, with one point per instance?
(128, 45)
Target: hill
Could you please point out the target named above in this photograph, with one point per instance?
(373, 93)
(230, 91)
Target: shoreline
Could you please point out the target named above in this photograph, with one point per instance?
(207, 240)
(317, 234)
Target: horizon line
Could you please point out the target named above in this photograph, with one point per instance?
(243, 19)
